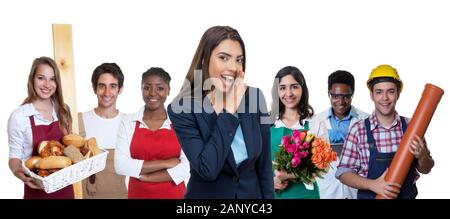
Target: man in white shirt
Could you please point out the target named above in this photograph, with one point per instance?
(103, 123)
(333, 125)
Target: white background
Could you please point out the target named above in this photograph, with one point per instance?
(319, 37)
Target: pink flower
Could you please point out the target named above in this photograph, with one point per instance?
(295, 161)
(298, 146)
(305, 145)
(286, 140)
(296, 136)
(290, 148)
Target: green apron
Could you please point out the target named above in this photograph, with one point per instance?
(294, 190)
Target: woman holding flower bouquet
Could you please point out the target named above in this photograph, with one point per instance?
(290, 111)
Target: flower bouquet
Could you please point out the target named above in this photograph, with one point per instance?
(304, 155)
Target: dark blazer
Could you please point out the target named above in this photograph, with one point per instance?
(206, 138)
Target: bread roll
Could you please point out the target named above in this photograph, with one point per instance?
(73, 153)
(74, 140)
(41, 146)
(50, 148)
(32, 161)
(93, 147)
(54, 162)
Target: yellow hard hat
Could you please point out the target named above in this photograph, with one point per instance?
(385, 71)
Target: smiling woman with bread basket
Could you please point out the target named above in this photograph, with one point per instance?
(43, 116)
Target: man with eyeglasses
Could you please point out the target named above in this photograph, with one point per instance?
(333, 125)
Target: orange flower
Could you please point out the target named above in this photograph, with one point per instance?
(317, 142)
(323, 155)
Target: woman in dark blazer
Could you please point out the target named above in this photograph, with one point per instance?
(222, 124)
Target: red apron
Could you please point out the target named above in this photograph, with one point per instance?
(46, 133)
(154, 145)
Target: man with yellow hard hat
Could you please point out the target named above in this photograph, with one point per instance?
(371, 143)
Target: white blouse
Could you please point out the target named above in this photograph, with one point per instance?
(102, 129)
(280, 124)
(20, 135)
(125, 165)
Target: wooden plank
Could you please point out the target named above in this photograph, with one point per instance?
(63, 52)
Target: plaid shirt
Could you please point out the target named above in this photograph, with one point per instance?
(355, 152)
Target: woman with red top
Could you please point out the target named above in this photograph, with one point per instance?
(147, 147)
(42, 116)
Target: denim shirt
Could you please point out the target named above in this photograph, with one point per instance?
(339, 127)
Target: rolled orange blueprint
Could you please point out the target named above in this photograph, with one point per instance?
(418, 125)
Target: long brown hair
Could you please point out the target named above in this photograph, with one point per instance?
(278, 108)
(62, 110)
(210, 40)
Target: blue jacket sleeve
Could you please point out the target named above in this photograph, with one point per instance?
(264, 163)
(206, 158)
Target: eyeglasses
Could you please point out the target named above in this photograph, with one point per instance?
(345, 97)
